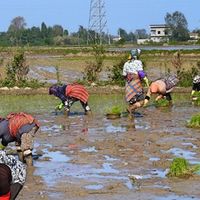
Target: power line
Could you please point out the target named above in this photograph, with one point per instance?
(97, 26)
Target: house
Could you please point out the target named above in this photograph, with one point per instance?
(116, 38)
(159, 33)
(194, 36)
(143, 41)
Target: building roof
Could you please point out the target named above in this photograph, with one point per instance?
(159, 26)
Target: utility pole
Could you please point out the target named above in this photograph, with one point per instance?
(97, 22)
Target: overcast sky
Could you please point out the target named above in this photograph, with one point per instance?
(126, 14)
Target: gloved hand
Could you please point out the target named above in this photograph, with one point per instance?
(145, 102)
(194, 98)
(192, 93)
(146, 80)
(2, 147)
(59, 106)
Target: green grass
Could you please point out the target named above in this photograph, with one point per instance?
(194, 121)
(45, 104)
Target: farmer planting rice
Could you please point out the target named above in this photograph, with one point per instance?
(19, 128)
(69, 94)
(134, 74)
(195, 87)
(162, 87)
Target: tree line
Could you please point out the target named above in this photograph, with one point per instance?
(18, 35)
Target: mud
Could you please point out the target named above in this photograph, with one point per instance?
(82, 157)
(48, 74)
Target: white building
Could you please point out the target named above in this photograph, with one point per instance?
(116, 38)
(194, 36)
(143, 41)
(159, 33)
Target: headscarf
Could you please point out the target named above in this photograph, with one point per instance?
(196, 79)
(53, 89)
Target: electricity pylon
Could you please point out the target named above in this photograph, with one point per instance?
(97, 22)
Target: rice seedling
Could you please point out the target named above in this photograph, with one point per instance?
(194, 121)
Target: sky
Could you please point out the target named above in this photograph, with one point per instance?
(126, 14)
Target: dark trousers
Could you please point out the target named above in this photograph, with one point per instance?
(71, 100)
(14, 190)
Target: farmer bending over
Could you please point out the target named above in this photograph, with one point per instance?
(195, 86)
(133, 73)
(162, 87)
(69, 94)
(19, 128)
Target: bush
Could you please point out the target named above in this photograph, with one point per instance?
(93, 68)
(116, 72)
(185, 76)
(16, 74)
(18, 69)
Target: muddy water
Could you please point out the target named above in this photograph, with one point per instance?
(82, 157)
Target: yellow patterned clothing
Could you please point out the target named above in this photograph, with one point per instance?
(133, 89)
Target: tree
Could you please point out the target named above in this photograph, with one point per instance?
(44, 30)
(82, 34)
(66, 32)
(17, 24)
(57, 30)
(141, 34)
(178, 25)
(123, 34)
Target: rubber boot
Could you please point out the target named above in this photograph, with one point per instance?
(29, 160)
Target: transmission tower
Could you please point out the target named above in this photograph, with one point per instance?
(97, 22)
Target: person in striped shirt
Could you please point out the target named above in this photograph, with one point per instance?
(21, 129)
(70, 93)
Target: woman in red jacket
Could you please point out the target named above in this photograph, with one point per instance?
(19, 128)
(69, 94)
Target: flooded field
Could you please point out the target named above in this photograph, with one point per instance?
(82, 157)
